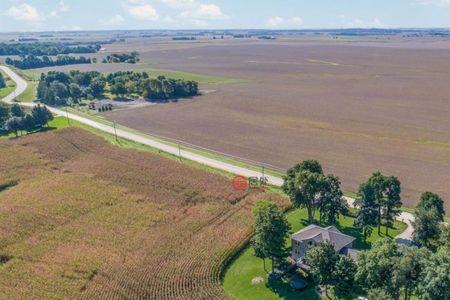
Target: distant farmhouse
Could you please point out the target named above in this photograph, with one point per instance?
(312, 235)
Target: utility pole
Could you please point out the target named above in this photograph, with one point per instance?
(263, 172)
(67, 116)
(115, 131)
(179, 151)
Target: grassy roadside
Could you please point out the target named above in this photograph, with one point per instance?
(10, 86)
(29, 95)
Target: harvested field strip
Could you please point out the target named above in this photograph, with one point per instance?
(89, 220)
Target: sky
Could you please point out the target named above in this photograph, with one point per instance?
(62, 15)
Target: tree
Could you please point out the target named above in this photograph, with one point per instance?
(408, 269)
(430, 200)
(378, 294)
(393, 201)
(2, 81)
(444, 237)
(344, 276)
(41, 115)
(426, 227)
(331, 203)
(375, 267)
(322, 260)
(14, 124)
(75, 91)
(377, 181)
(29, 123)
(271, 231)
(304, 183)
(97, 86)
(4, 113)
(435, 284)
(368, 209)
(118, 89)
(17, 111)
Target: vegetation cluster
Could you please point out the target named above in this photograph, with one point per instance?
(130, 58)
(32, 61)
(58, 88)
(13, 119)
(388, 268)
(49, 49)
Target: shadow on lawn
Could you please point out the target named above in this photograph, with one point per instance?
(283, 290)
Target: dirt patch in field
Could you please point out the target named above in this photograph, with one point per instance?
(358, 107)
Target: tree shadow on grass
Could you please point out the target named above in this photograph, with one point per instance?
(281, 287)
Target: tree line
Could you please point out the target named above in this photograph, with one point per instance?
(14, 119)
(32, 61)
(130, 58)
(59, 88)
(388, 269)
(49, 49)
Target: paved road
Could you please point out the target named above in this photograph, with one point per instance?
(22, 85)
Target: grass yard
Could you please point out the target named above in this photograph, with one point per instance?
(200, 78)
(237, 279)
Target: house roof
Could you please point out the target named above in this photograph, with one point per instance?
(321, 234)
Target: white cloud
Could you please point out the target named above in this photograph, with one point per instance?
(297, 21)
(63, 7)
(360, 23)
(431, 2)
(204, 12)
(278, 21)
(180, 4)
(275, 21)
(114, 20)
(24, 12)
(143, 12)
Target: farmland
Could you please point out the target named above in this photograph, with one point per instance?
(142, 225)
(357, 105)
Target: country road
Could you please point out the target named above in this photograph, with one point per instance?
(21, 85)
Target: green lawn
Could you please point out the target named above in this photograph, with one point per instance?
(29, 95)
(200, 78)
(238, 277)
(10, 86)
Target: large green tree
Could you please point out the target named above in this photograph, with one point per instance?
(271, 231)
(41, 115)
(331, 203)
(426, 227)
(305, 184)
(367, 209)
(408, 269)
(387, 195)
(4, 113)
(435, 284)
(375, 267)
(429, 200)
(17, 111)
(322, 260)
(344, 276)
(393, 201)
